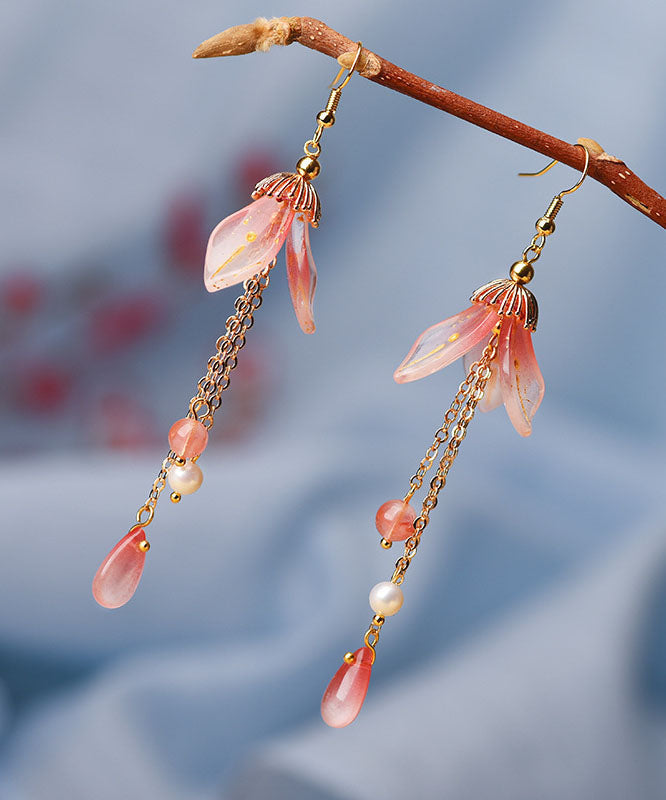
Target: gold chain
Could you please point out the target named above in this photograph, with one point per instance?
(208, 398)
(441, 435)
(217, 378)
(533, 250)
(461, 412)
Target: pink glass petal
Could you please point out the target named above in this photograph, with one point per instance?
(395, 520)
(119, 574)
(520, 378)
(188, 437)
(346, 692)
(244, 243)
(492, 395)
(301, 272)
(443, 343)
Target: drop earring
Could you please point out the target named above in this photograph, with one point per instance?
(494, 336)
(241, 249)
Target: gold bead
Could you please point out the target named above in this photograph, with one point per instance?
(545, 226)
(308, 167)
(385, 543)
(521, 272)
(144, 546)
(378, 619)
(175, 497)
(349, 658)
(179, 461)
(326, 117)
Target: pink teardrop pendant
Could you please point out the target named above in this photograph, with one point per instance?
(346, 692)
(119, 574)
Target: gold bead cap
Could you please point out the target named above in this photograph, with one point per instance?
(294, 189)
(510, 299)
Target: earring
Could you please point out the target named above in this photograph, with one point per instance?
(242, 248)
(494, 336)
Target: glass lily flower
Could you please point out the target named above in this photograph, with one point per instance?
(502, 306)
(243, 244)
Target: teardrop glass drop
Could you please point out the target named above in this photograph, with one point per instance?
(301, 272)
(346, 692)
(246, 242)
(119, 574)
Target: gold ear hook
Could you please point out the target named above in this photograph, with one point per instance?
(350, 72)
(523, 271)
(552, 164)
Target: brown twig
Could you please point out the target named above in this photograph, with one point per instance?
(262, 34)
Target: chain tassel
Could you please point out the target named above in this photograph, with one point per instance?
(118, 576)
(344, 696)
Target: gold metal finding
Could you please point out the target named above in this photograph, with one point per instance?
(521, 272)
(545, 225)
(308, 167)
(372, 635)
(576, 185)
(350, 71)
(174, 497)
(149, 511)
(144, 546)
(385, 543)
(349, 658)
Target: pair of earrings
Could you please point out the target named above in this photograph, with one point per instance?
(493, 336)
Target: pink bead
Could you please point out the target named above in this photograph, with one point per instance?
(119, 574)
(301, 272)
(346, 692)
(395, 520)
(188, 437)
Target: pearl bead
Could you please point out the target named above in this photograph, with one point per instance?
(386, 598)
(186, 479)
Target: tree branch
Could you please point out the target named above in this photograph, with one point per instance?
(262, 34)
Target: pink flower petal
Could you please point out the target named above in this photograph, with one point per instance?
(244, 243)
(443, 343)
(301, 272)
(492, 395)
(520, 378)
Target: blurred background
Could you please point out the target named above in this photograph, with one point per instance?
(529, 660)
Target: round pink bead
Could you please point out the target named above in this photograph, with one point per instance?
(188, 437)
(395, 520)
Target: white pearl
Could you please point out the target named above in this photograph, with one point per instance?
(185, 479)
(386, 598)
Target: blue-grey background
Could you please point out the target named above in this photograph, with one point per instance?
(529, 659)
